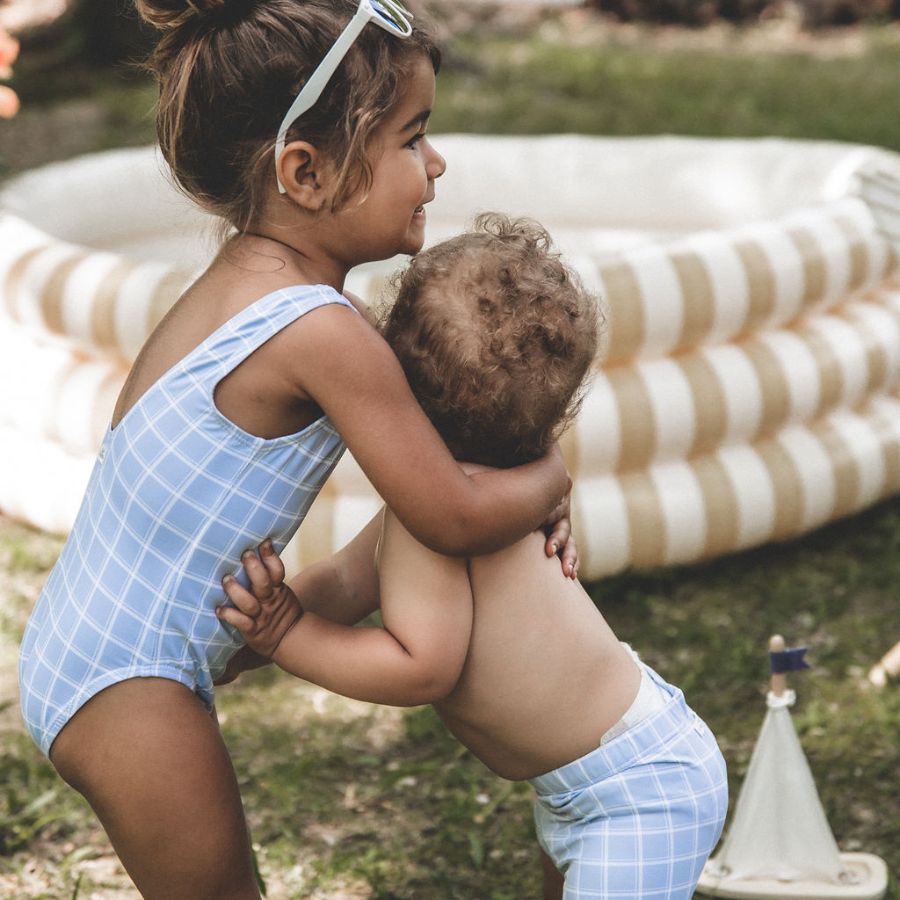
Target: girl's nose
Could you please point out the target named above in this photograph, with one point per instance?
(436, 164)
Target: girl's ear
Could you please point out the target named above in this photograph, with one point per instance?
(304, 173)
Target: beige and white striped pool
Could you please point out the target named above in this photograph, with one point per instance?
(746, 391)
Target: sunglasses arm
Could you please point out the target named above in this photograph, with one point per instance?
(313, 88)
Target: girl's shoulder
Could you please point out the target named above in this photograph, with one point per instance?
(274, 307)
(314, 323)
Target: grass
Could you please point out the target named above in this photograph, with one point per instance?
(504, 84)
(351, 800)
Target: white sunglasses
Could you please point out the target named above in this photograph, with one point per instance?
(386, 14)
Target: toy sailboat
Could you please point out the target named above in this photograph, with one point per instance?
(779, 843)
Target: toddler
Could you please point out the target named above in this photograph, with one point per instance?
(495, 336)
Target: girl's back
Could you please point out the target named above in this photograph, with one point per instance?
(545, 677)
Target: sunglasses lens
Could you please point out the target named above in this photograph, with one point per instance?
(392, 15)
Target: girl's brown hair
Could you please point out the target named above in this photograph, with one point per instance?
(228, 70)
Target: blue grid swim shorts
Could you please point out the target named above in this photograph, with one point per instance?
(178, 492)
(638, 817)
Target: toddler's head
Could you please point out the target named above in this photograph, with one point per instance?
(495, 334)
(228, 72)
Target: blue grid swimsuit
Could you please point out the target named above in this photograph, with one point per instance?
(178, 492)
(637, 818)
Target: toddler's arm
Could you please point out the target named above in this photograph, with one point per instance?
(415, 658)
(349, 370)
(342, 588)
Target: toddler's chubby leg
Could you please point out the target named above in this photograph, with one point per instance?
(151, 761)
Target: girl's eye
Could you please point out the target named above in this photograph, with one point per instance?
(414, 142)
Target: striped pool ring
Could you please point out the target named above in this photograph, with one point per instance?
(41, 483)
(686, 405)
(632, 416)
(97, 298)
(62, 393)
(678, 512)
(712, 287)
(745, 391)
(684, 511)
(725, 268)
(741, 495)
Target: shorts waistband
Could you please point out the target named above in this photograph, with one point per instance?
(650, 697)
(641, 740)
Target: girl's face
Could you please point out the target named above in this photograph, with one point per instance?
(391, 219)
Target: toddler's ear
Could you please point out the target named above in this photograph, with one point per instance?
(302, 170)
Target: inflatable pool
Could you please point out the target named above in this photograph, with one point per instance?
(747, 386)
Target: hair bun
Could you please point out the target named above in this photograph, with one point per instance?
(170, 14)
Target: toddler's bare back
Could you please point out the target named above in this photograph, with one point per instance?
(545, 677)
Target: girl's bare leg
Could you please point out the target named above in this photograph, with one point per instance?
(151, 761)
(553, 879)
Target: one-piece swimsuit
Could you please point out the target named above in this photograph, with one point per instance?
(177, 493)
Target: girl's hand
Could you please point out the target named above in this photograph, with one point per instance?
(558, 529)
(266, 615)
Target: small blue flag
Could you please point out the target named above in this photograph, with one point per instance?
(789, 660)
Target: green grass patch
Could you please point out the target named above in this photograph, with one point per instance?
(383, 803)
(421, 818)
(33, 800)
(707, 627)
(515, 85)
(551, 80)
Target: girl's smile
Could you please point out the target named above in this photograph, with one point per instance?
(391, 219)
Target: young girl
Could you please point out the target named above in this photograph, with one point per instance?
(302, 123)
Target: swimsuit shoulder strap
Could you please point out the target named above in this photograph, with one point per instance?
(230, 344)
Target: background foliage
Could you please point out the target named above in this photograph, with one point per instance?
(811, 13)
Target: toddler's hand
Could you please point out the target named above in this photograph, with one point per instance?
(264, 616)
(560, 541)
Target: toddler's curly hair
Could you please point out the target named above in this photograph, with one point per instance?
(495, 334)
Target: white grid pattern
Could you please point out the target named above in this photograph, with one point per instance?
(178, 492)
(638, 817)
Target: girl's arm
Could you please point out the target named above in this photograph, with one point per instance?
(415, 658)
(353, 375)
